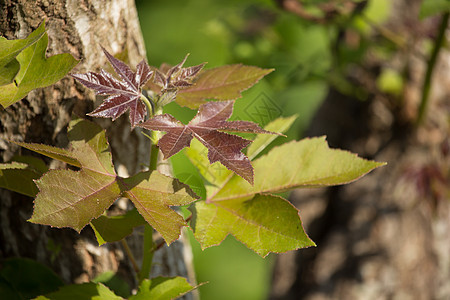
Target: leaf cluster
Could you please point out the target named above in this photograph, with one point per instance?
(242, 185)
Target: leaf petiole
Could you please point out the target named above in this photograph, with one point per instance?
(149, 104)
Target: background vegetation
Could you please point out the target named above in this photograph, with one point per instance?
(353, 48)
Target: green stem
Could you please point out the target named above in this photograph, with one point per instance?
(431, 64)
(149, 105)
(148, 253)
(130, 255)
(149, 245)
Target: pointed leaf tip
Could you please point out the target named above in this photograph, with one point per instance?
(264, 223)
(207, 127)
(124, 94)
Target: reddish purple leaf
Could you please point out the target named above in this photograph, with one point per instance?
(177, 77)
(124, 94)
(205, 126)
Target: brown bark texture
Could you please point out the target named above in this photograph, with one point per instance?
(78, 28)
(385, 236)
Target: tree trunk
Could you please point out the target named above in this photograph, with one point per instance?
(79, 28)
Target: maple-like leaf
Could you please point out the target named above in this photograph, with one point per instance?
(169, 80)
(124, 94)
(223, 147)
(221, 83)
(69, 198)
(176, 77)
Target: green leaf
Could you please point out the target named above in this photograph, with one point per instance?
(7, 290)
(115, 283)
(152, 194)
(221, 83)
(90, 146)
(216, 174)
(162, 288)
(9, 49)
(18, 177)
(53, 152)
(306, 163)
(35, 71)
(9, 71)
(280, 125)
(28, 277)
(264, 223)
(114, 228)
(35, 163)
(94, 291)
(433, 7)
(70, 198)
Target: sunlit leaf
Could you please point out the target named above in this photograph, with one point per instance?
(162, 288)
(35, 71)
(264, 223)
(221, 83)
(261, 141)
(70, 198)
(176, 77)
(124, 94)
(306, 163)
(216, 174)
(9, 49)
(73, 198)
(205, 126)
(152, 194)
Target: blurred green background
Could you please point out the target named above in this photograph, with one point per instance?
(308, 59)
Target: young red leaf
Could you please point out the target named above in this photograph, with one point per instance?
(124, 94)
(177, 77)
(205, 126)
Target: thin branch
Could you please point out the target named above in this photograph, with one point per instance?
(431, 64)
(130, 255)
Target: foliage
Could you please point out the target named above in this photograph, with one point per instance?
(24, 67)
(126, 94)
(240, 198)
(222, 147)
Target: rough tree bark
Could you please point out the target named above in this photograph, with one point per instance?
(79, 28)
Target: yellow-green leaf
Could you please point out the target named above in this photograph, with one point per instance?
(280, 125)
(35, 71)
(152, 194)
(306, 163)
(264, 223)
(162, 288)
